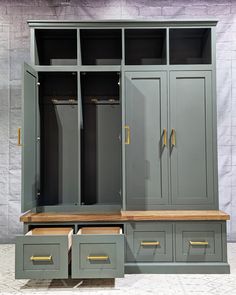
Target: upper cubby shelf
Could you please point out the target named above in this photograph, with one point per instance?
(56, 47)
(145, 46)
(101, 46)
(190, 46)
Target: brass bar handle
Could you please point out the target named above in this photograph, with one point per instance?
(41, 258)
(98, 257)
(164, 137)
(173, 137)
(127, 141)
(198, 243)
(154, 243)
(19, 137)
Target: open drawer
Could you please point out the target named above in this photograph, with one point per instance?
(98, 252)
(43, 253)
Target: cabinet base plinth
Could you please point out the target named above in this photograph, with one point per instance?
(177, 268)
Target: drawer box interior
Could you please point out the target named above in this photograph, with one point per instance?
(52, 231)
(100, 231)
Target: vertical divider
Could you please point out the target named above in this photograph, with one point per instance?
(80, 114)
(80, 126)
(122, 100)
(79, 55)
(33, 49)
(167, 46)
(214, 102)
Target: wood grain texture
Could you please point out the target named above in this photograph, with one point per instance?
(51, 231)
(99, 231)
(126, 216)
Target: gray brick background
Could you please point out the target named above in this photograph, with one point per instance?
(14, 50)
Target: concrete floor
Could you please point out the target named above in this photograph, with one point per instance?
(131, 284)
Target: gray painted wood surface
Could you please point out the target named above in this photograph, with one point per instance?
(192, 156)
(67, 120)
(146, 155)
(27, 246)
(98, 245)
(199, 232)
(29, 151)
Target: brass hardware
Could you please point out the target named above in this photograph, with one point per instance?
(97, 257)
(173, 137)
(41, 258)
(154, 243)
(127, 141)
(198, 243)
(164, 137)
(19, 137)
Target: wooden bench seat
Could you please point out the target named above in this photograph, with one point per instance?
(125, 216)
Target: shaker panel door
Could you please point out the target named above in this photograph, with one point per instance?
(30, 148)
(145, 139)
(191, 138)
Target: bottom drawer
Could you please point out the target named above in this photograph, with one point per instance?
(98, 252)
(149, 242)
(198, 242)
(43, 253)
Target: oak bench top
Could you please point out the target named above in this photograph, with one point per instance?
(121, 216)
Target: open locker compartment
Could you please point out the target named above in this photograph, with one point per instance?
(101, 139)
(58, 138)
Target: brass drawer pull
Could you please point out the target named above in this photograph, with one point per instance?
(41, 258)
(127, 141)
(198, 243)
(19, 137)
(173, 137)
(98, 257)
(164, 137)
(156, 243)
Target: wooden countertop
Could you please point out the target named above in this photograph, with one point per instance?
(125, 216)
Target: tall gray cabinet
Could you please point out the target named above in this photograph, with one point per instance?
(119, 166)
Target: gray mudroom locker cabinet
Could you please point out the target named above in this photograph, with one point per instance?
(119, 151)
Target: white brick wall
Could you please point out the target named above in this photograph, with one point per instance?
(14, 50)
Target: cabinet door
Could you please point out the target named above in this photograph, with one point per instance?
(191, 121)
(29, 151)
(145, 152)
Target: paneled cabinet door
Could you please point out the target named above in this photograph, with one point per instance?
(146, 139)
(191, 138)
(29, 148)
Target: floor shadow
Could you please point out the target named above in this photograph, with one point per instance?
(70, 283)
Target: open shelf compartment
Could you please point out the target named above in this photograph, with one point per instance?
(101, 46)
(145, 46)
(56, 47)
(190, 46)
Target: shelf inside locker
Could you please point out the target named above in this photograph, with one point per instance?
(56, 47)
(101, 46)
(190, 46)
(145, 46)
(64, 102)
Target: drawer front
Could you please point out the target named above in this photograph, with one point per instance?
(44, 257)
(198, 242)
(149, 242)
(97, 256)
